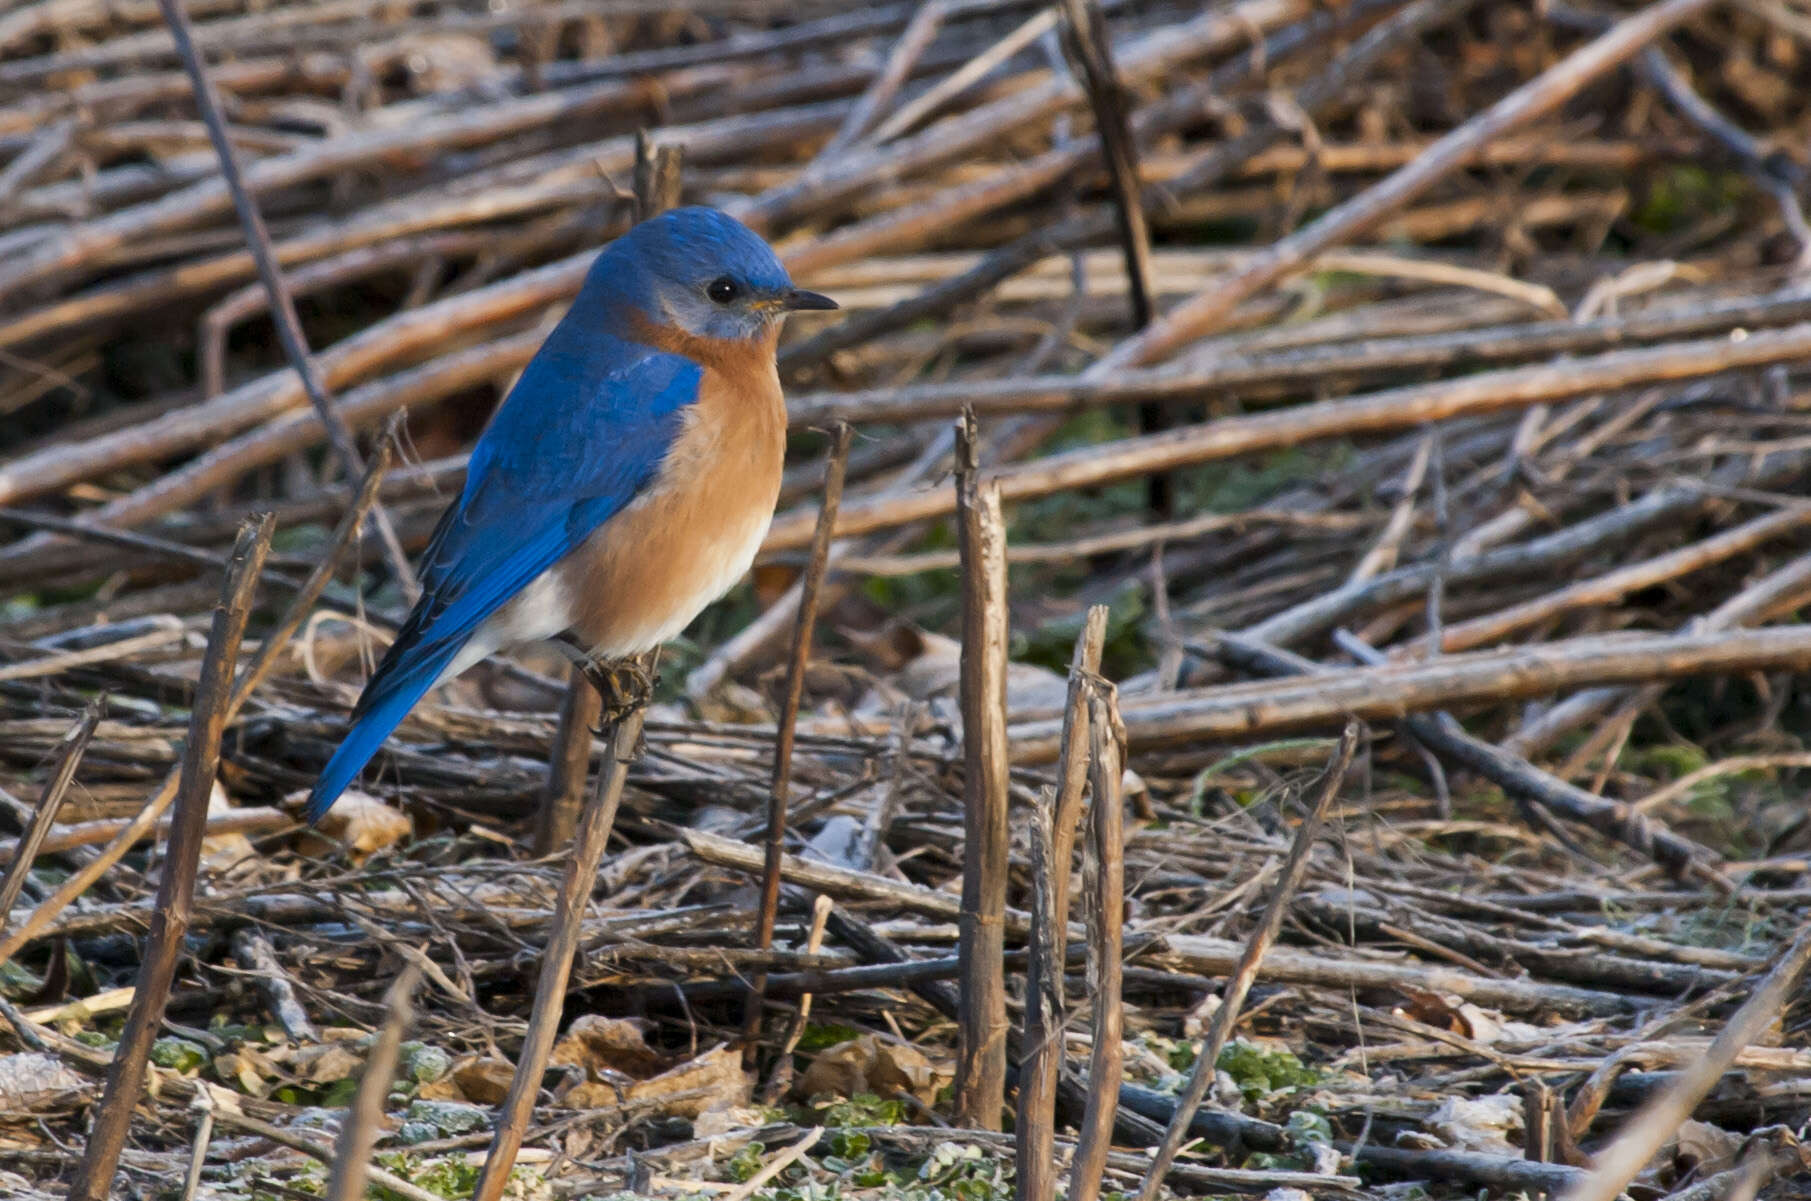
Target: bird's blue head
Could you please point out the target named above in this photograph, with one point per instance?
(699, 273)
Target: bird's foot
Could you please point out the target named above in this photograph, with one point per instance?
(623, 685)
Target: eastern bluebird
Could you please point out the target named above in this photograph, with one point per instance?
(625, 482)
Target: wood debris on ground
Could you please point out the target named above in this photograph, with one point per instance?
(1474, 377)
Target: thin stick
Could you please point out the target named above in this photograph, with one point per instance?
(657, 182)
(46, 148)
(1041, 1048)
(1208, 309)
(176, 891)
(1135, 1103)
(1660, 1118)
(69, 756)
(775, 1166)
(282, 304)
(781, 784)
(358, 1135)
(1325, 789)
(1090, 53)
(918, 35)
(258, 957)
(1072, 755)
(779, 1079)
(126, 539)
(1770, 595)
(568, 766)
(203, 1104)
(272, 646)
(1105, 887)
(229, 1116)
(1477, 395)
(1624, 579)
(364, 501)
(163, 633)
(1242, 711)
(1443, 736)
(1780, 182)
(556, 960)
(981, 1043)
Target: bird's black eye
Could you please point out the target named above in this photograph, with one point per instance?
(722, 290)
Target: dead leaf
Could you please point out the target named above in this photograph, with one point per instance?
(600, 1044)
(839, 1071)
(484, 1080)
(1705, 1148)
(1483, 1026)
(447, 1089)
(713, 1080)
(903, 1068)
(31, 1081)
(343, 1034)
(1478, 1124)
(1432, 1009)
(723, 1119)
(619, 1068)
(871, 1065)
(362, 822)
(325, 1063)
(249, 1071)
(228, 854)
(1199, 1020)
(931, 664)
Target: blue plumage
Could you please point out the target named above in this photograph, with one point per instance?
(508, 525)
(584, 430)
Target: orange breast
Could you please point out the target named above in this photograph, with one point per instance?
(652, 568)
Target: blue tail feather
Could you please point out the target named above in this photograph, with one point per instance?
(388, 698)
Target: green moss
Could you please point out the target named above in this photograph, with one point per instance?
(849, 1144)
(1685, 193)
(452, 1177)
(1667, 759)
(420, 1063)
(17, 981)
(427, 1120)
(300, 539)
(1259, 1071)
(1052, 644)
(1309, 1131)
(744, 1164)
(929, 595)
(1236, 486)
(830, 1034)
(340, 1094)
(178, 1054)
(863, 1109)
(965, 1172)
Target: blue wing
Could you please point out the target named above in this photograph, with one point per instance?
(584, 430)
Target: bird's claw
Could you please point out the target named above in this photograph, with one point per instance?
(623, 685)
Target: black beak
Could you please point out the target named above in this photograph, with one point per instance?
(795, 299)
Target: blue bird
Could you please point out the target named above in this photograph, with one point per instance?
(626, 481)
